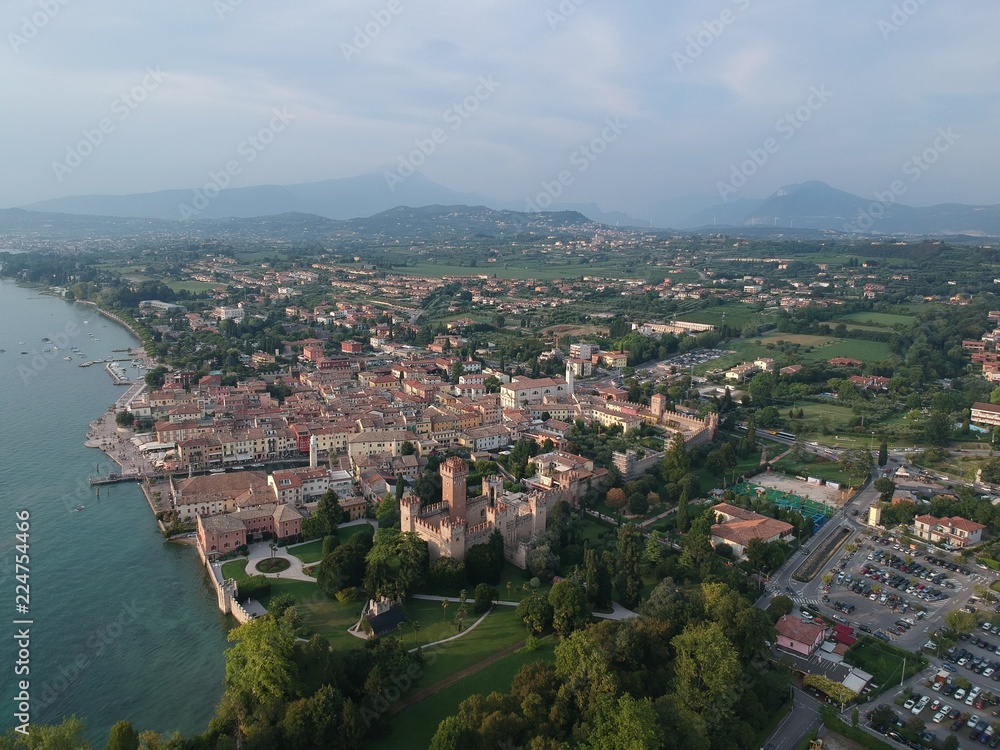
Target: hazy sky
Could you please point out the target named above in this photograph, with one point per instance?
(635, 102)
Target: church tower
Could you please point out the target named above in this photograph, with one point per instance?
(569, 379)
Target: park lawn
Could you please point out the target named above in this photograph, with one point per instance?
(878, 319)
(235, 569)
(814, 412)
(416, 726)
(310, 552)
(436, 623)
(328, 617)
(500, 629)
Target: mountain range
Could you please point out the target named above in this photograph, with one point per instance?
(801, 208)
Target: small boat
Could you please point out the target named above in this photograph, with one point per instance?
(68, 359)
(79, 507)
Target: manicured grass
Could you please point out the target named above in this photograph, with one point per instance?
(235, 569)
(416, 726)
(275, 565)
(310, 552)
(436, 622)
(500, 629)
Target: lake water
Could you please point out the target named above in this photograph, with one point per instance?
(125, 625)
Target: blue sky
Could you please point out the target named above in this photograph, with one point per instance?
(696, 88)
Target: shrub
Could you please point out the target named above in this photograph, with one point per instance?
(254, 587)
(485, 596)
(348, 595)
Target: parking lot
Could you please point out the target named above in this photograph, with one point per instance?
(895, 593)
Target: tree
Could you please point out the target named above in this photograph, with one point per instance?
(407, 448)
(683, 523)
(676, 461)
(124, 419)
(535, 612)
(885, 487)
(857, 462)
(616, 498)
(706, 668)
(259, 667)
(328, 514)
(628, 575)
(781, 605)
(628, 723)
(400, 487)
(122, 737)
(883, 452)
(960, 621)
(569, 607)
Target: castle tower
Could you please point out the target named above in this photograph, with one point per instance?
(493, 489)
(313, 451)
(658, 404)
(454, 472)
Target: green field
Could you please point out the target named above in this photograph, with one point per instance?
(194, 286)
(734, 315)
(312, 552)
(822, 349)
(882, 320)
(416, 726)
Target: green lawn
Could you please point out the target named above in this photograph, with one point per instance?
(735, 315)
(878, 319)
(310, 552)
(510, 574)
(416, 726)
(500, 629)
(235, 569)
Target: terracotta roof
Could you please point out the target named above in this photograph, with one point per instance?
(798, 630)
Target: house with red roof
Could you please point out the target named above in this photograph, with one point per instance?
(958, 532)
(799, 636)
(737, 527)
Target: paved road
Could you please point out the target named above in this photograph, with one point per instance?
(801, 720)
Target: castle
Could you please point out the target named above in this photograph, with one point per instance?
(459, 522)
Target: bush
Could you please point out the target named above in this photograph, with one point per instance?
(254, 587)
(348, 595)
(485, 596)
(446, 574)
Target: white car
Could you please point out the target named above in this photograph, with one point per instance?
(959, 694)
(939, 716)
(910, 704)
(936, 687)
(921, 705)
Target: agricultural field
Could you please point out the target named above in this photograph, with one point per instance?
(822, 348)
(194, 286)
